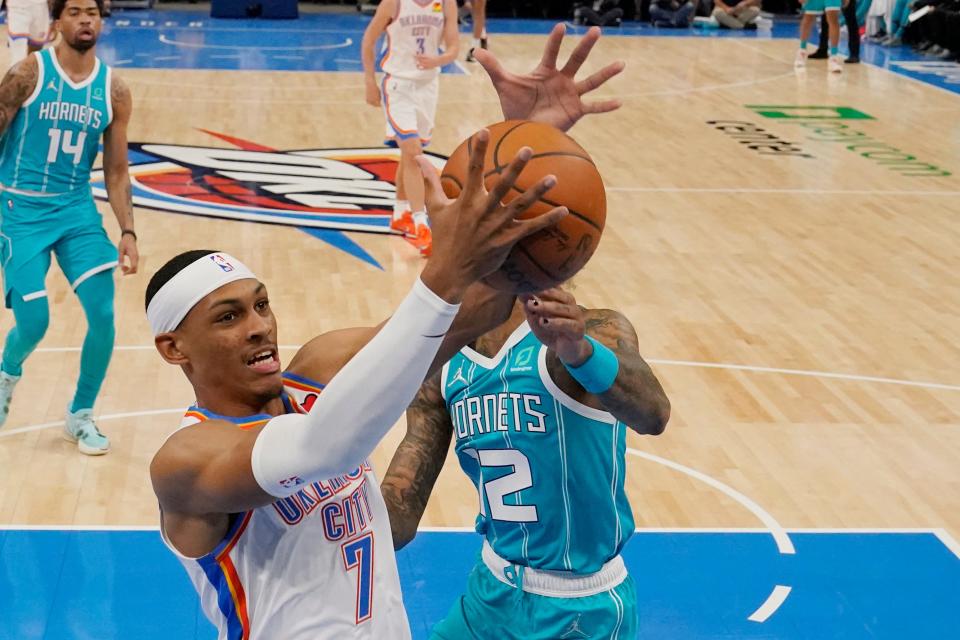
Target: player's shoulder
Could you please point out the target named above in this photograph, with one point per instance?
(119, 90)
(23, 75)
(322, 357)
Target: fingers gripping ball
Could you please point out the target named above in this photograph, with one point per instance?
(554, 255)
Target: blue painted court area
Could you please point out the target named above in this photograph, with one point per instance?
(59, 585)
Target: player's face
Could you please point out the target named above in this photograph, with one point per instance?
(229, 342)
(80, 24)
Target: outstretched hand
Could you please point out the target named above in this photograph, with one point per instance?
(548, 94)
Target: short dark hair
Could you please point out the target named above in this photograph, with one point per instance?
(60, 5)
(174, 265)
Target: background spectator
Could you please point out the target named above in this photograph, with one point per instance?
(737, 16)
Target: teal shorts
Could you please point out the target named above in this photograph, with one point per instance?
(819, 6)
(31, 229)
(492, 610)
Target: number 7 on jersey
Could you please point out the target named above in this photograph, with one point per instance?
(358, 554)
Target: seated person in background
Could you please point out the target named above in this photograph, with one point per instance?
(742, 15)
(898, 22)
(601, 13)
(672, 13)
(853, 34)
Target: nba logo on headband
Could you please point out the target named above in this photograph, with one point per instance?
(221, 262)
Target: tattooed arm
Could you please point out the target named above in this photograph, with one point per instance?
(117, 173)
(636, 397)
(417, 462)
(15, 88)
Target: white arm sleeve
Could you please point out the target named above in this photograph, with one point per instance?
(362, 402)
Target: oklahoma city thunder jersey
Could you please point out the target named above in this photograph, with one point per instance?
(51, 145)
(416, 29)
(318, 565)
(549, 470)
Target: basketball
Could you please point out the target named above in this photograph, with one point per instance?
(554, 255)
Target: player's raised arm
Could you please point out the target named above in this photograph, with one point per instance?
(116, 171)
(225, 470)
(548, 94)
(600, 356)
(417, 462)
(386, 10)
(17, 86)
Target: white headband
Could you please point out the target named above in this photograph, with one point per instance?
(171, 304)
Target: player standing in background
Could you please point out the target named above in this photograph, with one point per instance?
(478, 13)
(812, 9)
(54, 107)
(28, 27)
(539, 409)
(411, 64)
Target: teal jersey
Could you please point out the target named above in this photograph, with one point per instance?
(53, 141)
(549, 470)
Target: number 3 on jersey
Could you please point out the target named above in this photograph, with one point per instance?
(58, 136)
(358, 554)
(512, 483)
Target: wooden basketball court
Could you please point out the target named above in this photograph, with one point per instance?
(799, 300)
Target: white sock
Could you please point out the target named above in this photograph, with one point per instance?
(400, 208)
(420, 217)
(476, 43)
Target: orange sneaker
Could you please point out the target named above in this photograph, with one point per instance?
(404, 224)
(424, 240)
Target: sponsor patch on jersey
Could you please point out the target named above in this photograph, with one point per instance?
(437, 7)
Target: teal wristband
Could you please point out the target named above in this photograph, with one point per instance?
(599, 371)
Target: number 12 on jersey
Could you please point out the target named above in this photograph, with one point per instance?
(512, 483)
(69, 147)
(358, 554)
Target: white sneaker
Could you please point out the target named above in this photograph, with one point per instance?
(800, 62)
(7, 383)
(80, 428)
(835, 64)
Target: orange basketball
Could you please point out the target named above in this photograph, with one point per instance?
(554, 255)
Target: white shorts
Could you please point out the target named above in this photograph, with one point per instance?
(410, 107)
(29, 21)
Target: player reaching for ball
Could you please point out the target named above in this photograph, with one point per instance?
(538, 408)
(411, 64)
(245, 485)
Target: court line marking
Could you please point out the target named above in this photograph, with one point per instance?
(784, 544)
(806, 373)
(852, 192)
(853, 377)
(777, 596)
(5, 433)
(948, 541)
(771, 604)
(234, 47)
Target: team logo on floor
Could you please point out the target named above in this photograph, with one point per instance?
(315, 189)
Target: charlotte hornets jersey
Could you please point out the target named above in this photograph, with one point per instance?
(549, 470)
(416, 29)
(53, 141)
(318, 565)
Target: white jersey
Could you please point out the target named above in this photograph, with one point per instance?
(317, 565)
(417, 28)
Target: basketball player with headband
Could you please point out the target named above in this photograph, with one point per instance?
(265, 492)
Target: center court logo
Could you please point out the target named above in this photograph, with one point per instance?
(349, 189)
